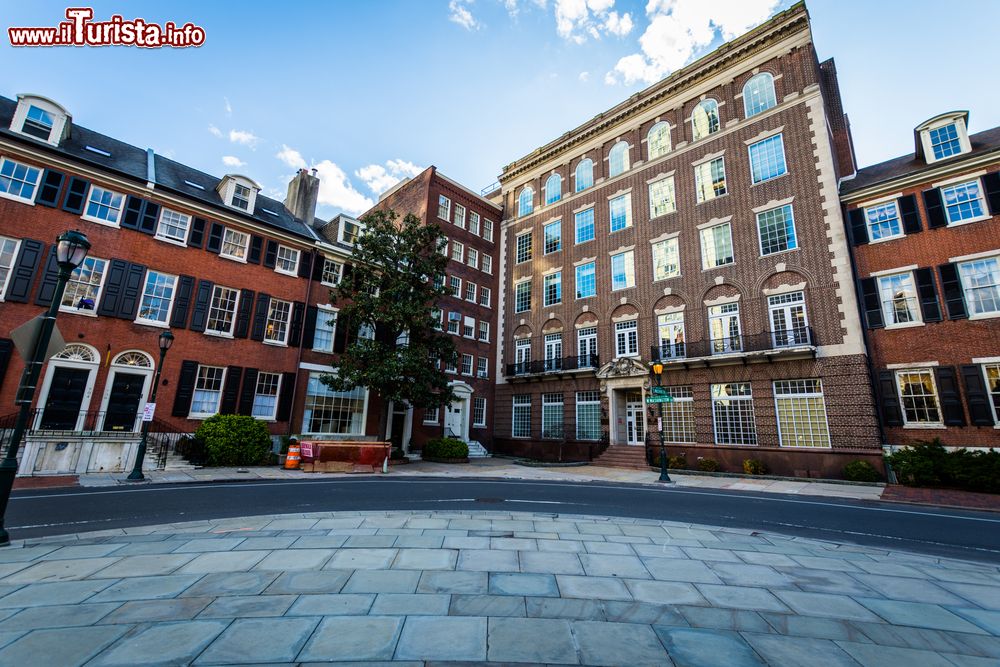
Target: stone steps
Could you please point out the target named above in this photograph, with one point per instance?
(623, 456)
(477, 451)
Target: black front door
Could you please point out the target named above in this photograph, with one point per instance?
(62, 406)
(123, 403)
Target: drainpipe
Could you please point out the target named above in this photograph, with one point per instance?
(317, 256)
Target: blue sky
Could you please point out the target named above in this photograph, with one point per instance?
(370, 91)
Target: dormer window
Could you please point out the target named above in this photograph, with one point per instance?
(944, 141)
(943, 136)
(241, 197)
(350, 230)
(41, 119)
(38, 123)
(238, 192)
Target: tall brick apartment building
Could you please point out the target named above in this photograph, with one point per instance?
(925, 230)
(696, 223)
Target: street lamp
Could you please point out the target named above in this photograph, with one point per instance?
(664, 477)
(71, 249)
(166, 340)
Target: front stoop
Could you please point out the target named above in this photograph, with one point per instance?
(623, 456)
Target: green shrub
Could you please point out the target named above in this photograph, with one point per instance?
(708, 465)
(678, 462)
(445, 448)
(234, 440)
(930, 464)
(754, 467)
(861, 471)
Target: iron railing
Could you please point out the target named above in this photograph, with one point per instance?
(760, 342)
(553, 365)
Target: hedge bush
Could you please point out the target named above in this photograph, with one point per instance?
(754, 467)
(678, 462)
(445, 448)
(930, 464)
(861, 471)
(708, 465)
(234, 440)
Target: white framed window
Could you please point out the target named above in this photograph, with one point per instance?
(470, 291)
(787, 313)
(242, 196)
(157, 298)
(552, 289)
(444, 207)
(287, 261)
(455, 285)
(349, 230)
(945, 141)
(474, 222)
(523, 246)
(586, 280)
(627, 339)
(588, 415)
(334, 412)
(553, 189)
(991, 372)
(801, 413)
(265, 396)
(981, 285)
(883, 221)
(666, 259)
(658, 140)
(964, 202)
(103, 206)
(899, 299)
(38, 123)
(622, 271)
(454, 322)
(710, 179)
(678, 415)
(234, 244)
(173, 226)
(332, 273)
(484, 331)
(488, 230)
(525, 201)
(472, 258)
(207, 391)
(437, 316)
(618, 162)
(459, 219)
(222, 310)
(661, 197)
(705, 119)
(83, 291)
(326, 327)
(8, 255)
(552, 234)
(552, 415)
(450, 366)
(479, 412)
(484, 296)
(620, 210)
(458, 251)
(469, 327)
(776, 230)
(553, 352)
(586, 347)
(733, 414)
(487, 264)
(767, 159)
(19, 181)
(918, 397)
(431, 415)
(724, 328)
(758, 94)
(584, 175)
(583, 222)
(521, 421)
(522, 296)
(466, 364)
(717, 246)
(278, 315)
(670, 328)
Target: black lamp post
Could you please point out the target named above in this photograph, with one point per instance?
(166, 340)
(664, 477)
(71, 250)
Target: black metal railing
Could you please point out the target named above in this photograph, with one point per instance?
(760, 342)
(553, 365)
(65, 421)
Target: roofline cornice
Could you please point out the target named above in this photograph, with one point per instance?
(932, 172)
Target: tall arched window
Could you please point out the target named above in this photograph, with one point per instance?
(618, 159)
(584, 174)
(553, 188)
(705, 119)
(525, 201)
(658, 140)
(758, 94)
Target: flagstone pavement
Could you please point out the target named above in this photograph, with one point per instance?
(428, 588)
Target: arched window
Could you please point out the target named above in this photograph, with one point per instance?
(78, 352)
(133, 358)
(758, 94)
(618, 159)
(584, 174)
(553, 188)
(525, 201)
(658, 140)
(705, 119)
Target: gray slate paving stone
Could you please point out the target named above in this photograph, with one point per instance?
(813, 627)
(722, 619)
(248, 606)
(920, 615)
(550, 607)
(523, 584)
(326, 581)
(145, 588)
(223, 561)
(986, 619)
(675, 569)
(484, 560)
(664, 592)
(57, 616)
(619, 644)
(382, 581)
(144, 566)
(487, 605)
(987, 597)
(825, 605)
(798, 651)
(426, 559)
(317, 542)
(148, 611)
(362, 559)
(59, 570)
(62, 646)
(326, 604)
(162, 644)
(442, 638)
(695, 647)
(600, 565)
(741, 597)
(592, 588)
(353, 638)
(259, 640)
(533, 640)
(438, 581)
(285, 560)
(870, 655)
(541, 562)
(411, 604)
(233, 583)
(641, 612)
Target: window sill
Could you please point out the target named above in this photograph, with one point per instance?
(768, 180)
(969, 221)
(29, 202)
(101, 221)
(152, 323)
(720, 266)
(77, 311)
(322, 351)
(926, 427)
(660, 280)
(623, 229)
(293, 274)
(885, 238)
(167, 239)
(653, 217)
(218, 334)
(274, 343)
(622, 289)
(232, 258)
(904, 325)
(431, 423)
(201, 416)
(984, 316)
(705, 201)
(779, 252)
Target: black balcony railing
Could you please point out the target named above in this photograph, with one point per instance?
(760, 342)
(553, 365)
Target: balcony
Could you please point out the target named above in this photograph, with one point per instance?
(797, 343)
(554, 366)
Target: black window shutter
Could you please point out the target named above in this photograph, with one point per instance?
(910, 214)
(951, 286)
(256, 248)
(149, 218)
(295, 330)
(128, 303)
(52, 182)
(976, 396)
(318, 265)
(309, 329)
(249, 389)
(196, 237)
(991, 183)
(231, 390)
(271, 254)
(340, 327)
(935, 208)
(50, 278)
(889, 399)
(859, 228)
(133, 212)
(929, 306)
(22, 275)
(243, 313)
(285, 394)
(951, 402)
(871, 304)
(185, 388)
(215, 233)
(182, 302)
(199, 314)
(260, 316)
(305, 264)
(114, 284)
(76, 193)
(6, 349)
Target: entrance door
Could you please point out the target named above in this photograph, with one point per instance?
(586, 347)
(62, 406)
(397, 426)
(635, 420)
(454, 420)
(123, 402)
(788, 319)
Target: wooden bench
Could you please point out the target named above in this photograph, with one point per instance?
(343, 455)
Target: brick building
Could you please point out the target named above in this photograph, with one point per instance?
(925, 230)
(696, 223)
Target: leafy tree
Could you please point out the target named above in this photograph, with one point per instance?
(387, 304)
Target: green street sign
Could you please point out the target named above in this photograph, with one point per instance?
(658, 391)
(659, 399)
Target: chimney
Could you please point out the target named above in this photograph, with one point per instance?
(303, 195)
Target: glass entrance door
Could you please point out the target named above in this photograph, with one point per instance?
(635, 419)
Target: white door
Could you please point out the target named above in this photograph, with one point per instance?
(454, 420)
(635, 416)
(586, 347)
(553, 352)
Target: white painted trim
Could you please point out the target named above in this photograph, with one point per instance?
(766, 134)
(50, 367)
(913, 364)
(714, 222)
(722, 300)
(986, 360)
(664, 237)
(976, 255)
(784, 289)
(903, 325)
(670, 309)
(890, 272)
(880, 200)
(973, 176)
(619, 193)
(661, 176)
(772, 205)
(709, 158)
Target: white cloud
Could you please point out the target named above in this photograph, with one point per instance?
(380, 178)
(679, 29)
(461, 15)
(232, 161)
(336, 190)
(578, 20)
(243, 137)
(291, 157)
(215, 131)
(229, 107)
(584, 76)
(618, 25)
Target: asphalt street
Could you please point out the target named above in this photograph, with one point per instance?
(927, 530)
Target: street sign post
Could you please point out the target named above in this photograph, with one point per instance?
(658, 391)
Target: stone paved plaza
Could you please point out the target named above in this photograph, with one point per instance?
(472, 587)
